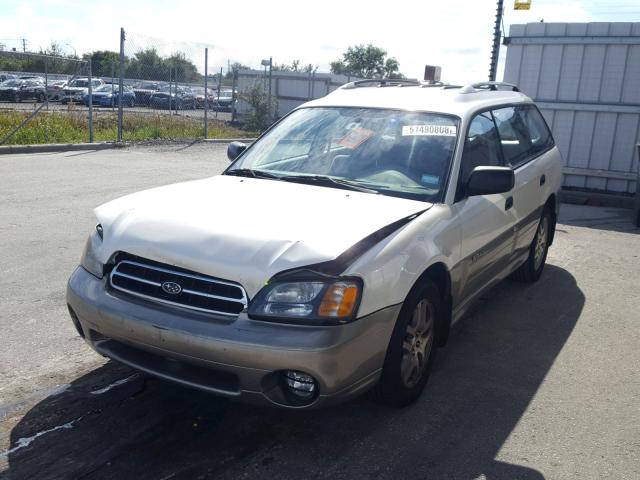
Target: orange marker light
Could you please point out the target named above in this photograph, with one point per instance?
(339, 300)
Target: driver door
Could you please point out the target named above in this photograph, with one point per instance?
(486, 221)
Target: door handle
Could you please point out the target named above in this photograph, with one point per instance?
(509, 203)
(543, 179)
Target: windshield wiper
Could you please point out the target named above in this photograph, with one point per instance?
(329, 182)
(248, 172)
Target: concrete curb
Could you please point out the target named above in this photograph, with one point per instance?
(228, 140)
(70, 147)
(58, 147)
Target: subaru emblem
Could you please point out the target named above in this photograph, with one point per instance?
(171, 288)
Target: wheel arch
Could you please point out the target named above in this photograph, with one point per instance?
(439, 274)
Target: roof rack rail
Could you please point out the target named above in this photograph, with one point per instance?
(493, 86)
(382, 82)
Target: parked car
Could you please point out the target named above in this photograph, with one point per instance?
(143, 92)
(17, 90)
(107, 96)
(55, 90)
(170, 96)
(225, 101)
(77, 88)
(6, 76)
(334, 253)
(199, 96)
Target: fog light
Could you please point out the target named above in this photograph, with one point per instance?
(300, 384)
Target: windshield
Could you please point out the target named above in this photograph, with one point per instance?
(11, 83)
(397, 153)
(79, 83)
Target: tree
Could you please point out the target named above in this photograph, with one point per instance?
(235, 66)
(104, 63)
(260, 114)
(149, 65)
(367, 62)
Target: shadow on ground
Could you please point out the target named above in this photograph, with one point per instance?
(600, 218)
(482, 384)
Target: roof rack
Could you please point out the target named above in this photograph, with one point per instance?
(382, 82)
(484, 86)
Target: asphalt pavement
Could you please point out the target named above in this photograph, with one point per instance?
(537, 382)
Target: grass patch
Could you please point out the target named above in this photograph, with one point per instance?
(73, 127)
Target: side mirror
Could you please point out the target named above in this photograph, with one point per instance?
(490, 180)
(235, 149)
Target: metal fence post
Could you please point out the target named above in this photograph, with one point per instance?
(120, 84)
(234, 88)
(90, 102)
(269, 96)
(219, 87)
(636, 203)
(113, 72)
(206, 92)
(46, 81)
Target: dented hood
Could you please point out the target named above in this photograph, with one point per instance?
(244, 229)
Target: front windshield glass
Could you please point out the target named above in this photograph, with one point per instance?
(106, 88)
(80, 83)
(11, 83)
(398, 153)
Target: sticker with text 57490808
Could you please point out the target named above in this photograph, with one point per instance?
(437, 130)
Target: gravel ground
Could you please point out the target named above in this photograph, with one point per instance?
(536, 382)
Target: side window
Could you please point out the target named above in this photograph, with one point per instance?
(481, 147)
(523, 133)
(539, 133)
(514, 135)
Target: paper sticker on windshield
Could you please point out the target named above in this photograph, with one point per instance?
(356, 137)
(433, 130)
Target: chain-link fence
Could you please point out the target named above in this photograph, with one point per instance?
(175, 90)
(147, 88)
(43, 98)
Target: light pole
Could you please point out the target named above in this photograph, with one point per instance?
(75, 54)
(270, 64)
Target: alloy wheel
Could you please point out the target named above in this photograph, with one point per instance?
(417, 344)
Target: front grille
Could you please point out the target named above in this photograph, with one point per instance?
(145, 279)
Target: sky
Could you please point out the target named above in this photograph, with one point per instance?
(454, 34)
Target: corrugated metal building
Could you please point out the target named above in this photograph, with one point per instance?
(585, 78)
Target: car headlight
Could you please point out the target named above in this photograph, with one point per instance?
(89, 260)
(314, 301)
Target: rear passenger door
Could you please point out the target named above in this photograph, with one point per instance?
(525, 140)
(486, 221)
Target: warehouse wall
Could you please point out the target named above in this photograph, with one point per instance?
(585, 78)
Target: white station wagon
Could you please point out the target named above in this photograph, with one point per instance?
(335, 252)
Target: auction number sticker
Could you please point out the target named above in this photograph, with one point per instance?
(435, 130)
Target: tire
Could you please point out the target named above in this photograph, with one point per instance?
(40, 97)
(412, 348)
(17, 98)
(531, 269)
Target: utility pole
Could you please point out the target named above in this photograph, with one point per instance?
(495, 51)
(24, 45)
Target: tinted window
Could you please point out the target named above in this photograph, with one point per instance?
(541, 138)
(481, 147)
(523, 133)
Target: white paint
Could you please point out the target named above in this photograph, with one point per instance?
(114, 384)
(244, 229)
(26, 441)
